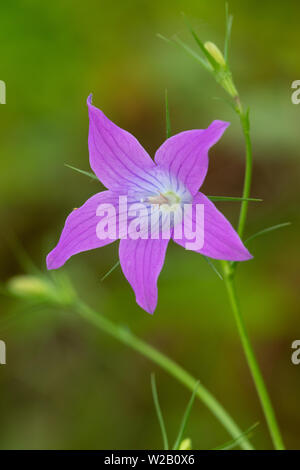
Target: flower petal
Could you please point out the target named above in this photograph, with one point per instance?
(186, 154)
(221, 241)
(141, 262)
(79, 233)
(116, 157)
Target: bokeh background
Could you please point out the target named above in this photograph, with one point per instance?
(65, 384)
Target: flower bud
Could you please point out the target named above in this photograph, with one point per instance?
(215, 52)
(222, 72)
(30, 286)
(186, 444)
(38, 288)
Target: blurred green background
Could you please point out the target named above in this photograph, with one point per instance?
(66, 385)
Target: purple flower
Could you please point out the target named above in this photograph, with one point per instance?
(175, 176)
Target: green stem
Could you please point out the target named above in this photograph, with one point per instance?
(224, 78)
(251, 359)
(229, 273)
(244, 119)
(125, 336)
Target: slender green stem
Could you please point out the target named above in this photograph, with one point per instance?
(229, 273)
(159, 413)
(251, 359)
(125, 336)
(224, 77)
(244, 119)
(185, 420)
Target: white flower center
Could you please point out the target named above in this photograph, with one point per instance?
(168, 198)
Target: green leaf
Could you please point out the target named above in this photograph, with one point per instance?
(111, 270)
(193, 54)
(229, 19)
(86, 173)
(185, 418)
(160, 36)
(187, 49)
(168, 122)
(267, 230)
(234, 442)
(213, 267)
(159, 413)
(200, 43)
(232, 199)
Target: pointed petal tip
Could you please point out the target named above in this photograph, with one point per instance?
(146, 304)
(141, 262)
(241, 255)
(146, 308)
(223, 123)
(89, 99)
(220, 240)
(51, 262)
(220, 126)
(247, 256)
(238, 253)
(116, 156)
(48, 261)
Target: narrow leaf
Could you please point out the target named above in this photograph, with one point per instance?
(192, 53)
(229, 19)
(185, 419)
(159, 413)
(160, 36)
(213, 267)
(87, 173)
(232, 199)
(111, 270)
(168, 122)
(187, 49)
(234, 442)
(201, 45)
(267, 230)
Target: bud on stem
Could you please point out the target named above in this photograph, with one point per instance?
(215, 52)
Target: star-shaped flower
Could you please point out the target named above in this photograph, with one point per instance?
(168, 183)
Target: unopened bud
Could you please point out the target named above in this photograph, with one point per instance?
(215, 52)
(186, 444)
(30, 286)
(38, 288)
